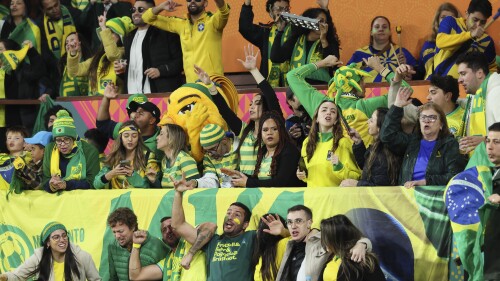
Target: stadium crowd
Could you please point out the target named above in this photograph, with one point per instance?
(337, 139)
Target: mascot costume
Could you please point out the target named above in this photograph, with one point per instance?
(191, 107)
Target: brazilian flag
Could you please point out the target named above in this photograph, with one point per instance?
(465, 198)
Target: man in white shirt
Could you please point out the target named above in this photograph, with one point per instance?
(154, 56)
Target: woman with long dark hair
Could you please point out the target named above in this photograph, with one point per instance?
(276, 156)
(128, 162)
(57, 259)
(99, 68)
(338, 237)
(380, 166)
(77, 85)
(327, 154)
(268, 251)
(19, 27)
(308, 46)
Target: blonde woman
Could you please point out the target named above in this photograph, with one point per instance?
(172, 140)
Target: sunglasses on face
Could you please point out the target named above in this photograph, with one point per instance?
(140, 9)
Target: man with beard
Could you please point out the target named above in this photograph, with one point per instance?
(229, 256)
(123, 223)
(55, 23)
(170, 268)
(145, 114)
(483, 96)
(154, 56)
(200, 31)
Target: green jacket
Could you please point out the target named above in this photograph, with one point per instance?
(91, 167)
(356, 110)
(153, 250)
(445, 161)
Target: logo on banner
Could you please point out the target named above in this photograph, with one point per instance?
(15, 247)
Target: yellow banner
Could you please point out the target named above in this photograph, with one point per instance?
(408, 228)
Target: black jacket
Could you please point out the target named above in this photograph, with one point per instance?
(379, 175)
(22, 83)
(52, 77)
(286, 175)
(445, 160)
(162, 50)
(258, 35)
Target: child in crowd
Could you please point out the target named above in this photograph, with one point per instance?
(29, 168)
(15, 140)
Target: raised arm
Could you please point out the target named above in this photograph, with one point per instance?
(221, 16)
(232, 120)
(250, 31)
(391, 131)
(135, 269)
(447, 39)
(268, 92)
(205, 233)
(179, 224)
(308, 96)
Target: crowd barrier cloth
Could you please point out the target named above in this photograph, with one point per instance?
(409, 228)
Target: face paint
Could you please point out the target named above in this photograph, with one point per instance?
(237, 221)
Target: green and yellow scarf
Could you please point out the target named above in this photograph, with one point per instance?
(300, 58)
(76, 86)
(10, 60)
(27, 30)
(80, 4)
(2, 96)
(477, 111)
(77, 166)
(57, 31)
(102, 81)
(277, 71)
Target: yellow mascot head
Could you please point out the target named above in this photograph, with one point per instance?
(191, 107)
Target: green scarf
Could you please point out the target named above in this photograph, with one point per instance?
(76, 86)
(80, 4)
(477, 111)
(102, 81)
(277, 71)
(77, 166)
(27, 30)
(300, 58)
(56, 34)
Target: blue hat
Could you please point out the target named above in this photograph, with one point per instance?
(42, 137)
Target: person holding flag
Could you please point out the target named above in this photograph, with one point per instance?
(19, 80)
(19, 27)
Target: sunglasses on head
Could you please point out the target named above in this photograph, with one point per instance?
(198, 1)
(140, 9)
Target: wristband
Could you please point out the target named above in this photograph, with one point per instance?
(385, 72)
(135, 245)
